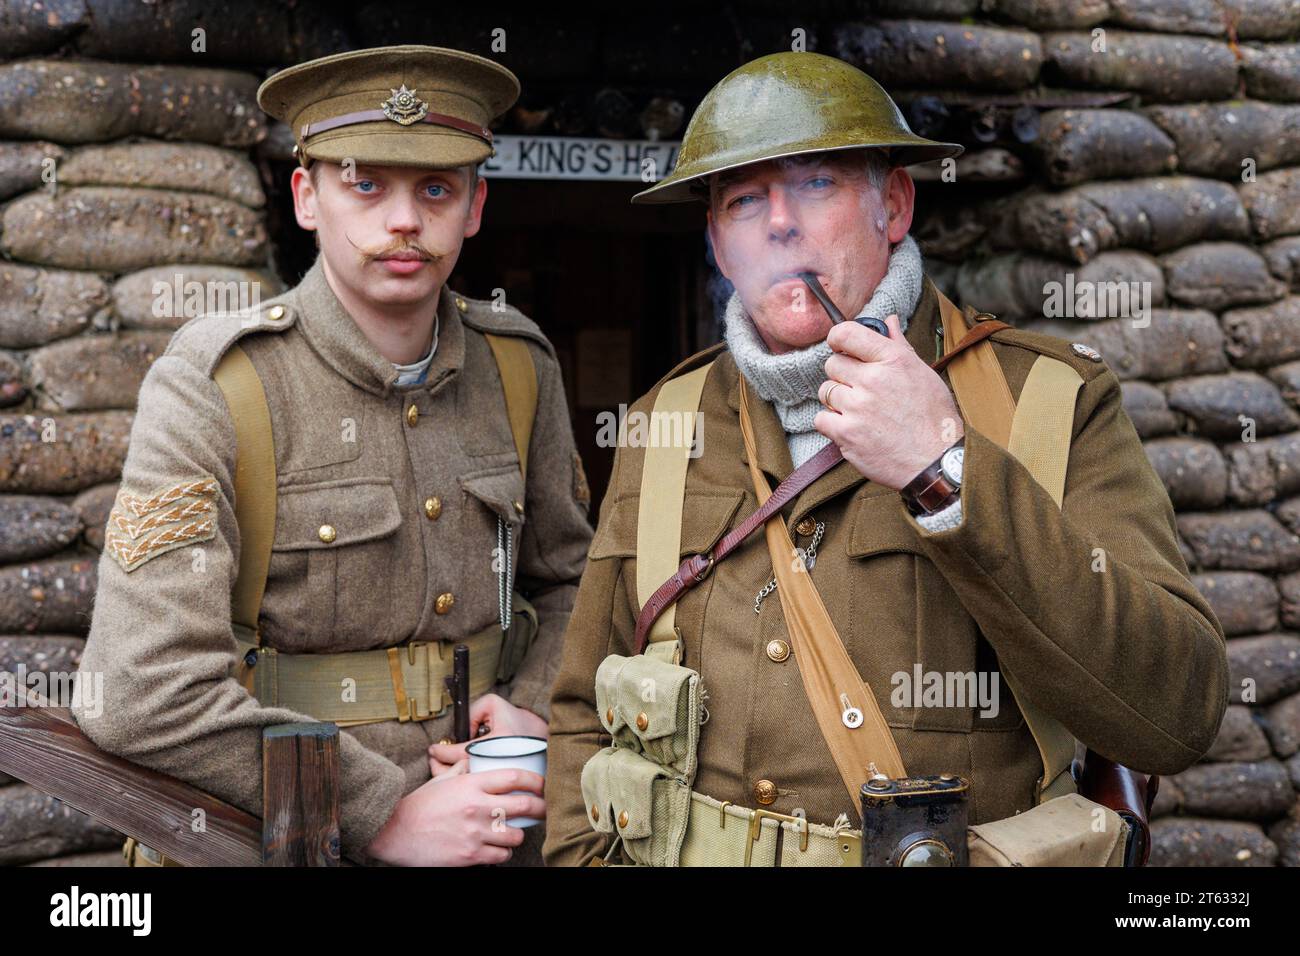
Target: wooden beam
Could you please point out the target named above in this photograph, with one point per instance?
(43, 746)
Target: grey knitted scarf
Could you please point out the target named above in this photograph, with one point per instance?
(790, 381)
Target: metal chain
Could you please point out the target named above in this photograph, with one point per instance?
(505, 548)
(809, 556)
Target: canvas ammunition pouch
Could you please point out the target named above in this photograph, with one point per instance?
(633, 791)
(640, 787)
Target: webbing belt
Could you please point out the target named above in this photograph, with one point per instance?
(720, 833)
(401, 683)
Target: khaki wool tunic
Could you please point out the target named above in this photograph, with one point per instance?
(1130, 658)
(349, 452)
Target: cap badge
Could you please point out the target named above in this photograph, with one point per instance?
(403, 107)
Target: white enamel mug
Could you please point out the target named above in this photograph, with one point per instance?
(508, 753)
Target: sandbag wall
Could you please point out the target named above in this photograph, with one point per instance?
(1154, 142)
(1153, 145)
(128, 191)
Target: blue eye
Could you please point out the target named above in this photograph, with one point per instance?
(363, 182)
(441, 191)
(818, 179)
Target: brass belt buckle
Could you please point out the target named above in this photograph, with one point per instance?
(413, 712)
(756, 829)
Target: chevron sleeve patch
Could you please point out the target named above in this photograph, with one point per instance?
(142, 527)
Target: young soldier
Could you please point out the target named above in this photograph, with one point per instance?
(800, 159)
(413, 488)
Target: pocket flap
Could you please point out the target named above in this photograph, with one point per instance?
(502, 492)
(652, 693)
(706, 516)
(880, 525)
(596, 796)
(611, 715)
(619, 784)
(358, 509)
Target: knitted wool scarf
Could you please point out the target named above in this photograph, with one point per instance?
(790, 381)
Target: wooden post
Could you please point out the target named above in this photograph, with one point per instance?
(300, 795)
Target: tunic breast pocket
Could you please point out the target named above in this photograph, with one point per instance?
(934, 666)
(490, 529)
(333, 561)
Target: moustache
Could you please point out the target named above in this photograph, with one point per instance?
(369, 255)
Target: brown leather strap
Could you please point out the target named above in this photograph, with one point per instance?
(976, 335)
(697, 567)
(370, 116)
(830, 679)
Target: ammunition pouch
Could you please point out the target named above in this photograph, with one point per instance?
(639, 789)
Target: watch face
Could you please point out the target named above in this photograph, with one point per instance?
(951, 464)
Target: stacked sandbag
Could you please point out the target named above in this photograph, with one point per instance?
(129, 203)
(1156, 219)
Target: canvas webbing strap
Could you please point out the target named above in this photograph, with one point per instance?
(830, 678)
(663, 484)
(255, 491)
(519, 382)
(1040, 439)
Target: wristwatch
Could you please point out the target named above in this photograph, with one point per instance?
(939, 485)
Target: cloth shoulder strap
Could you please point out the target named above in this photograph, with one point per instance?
(1037, 431)
(1040, 438)
(830, 679)
(519, 382)
(663, 486)
(255, 491)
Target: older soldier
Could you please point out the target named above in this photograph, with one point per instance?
(800, 159)
(423, 467)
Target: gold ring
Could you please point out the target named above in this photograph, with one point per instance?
(830, 391)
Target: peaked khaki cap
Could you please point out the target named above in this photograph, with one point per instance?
(407, 105)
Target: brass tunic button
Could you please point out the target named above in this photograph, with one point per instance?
(806, 527)
(461, 304)
(609, 716)
(327, 533)
(412, 415)
(642, 721)
(444, 603)
(445, 740)
(595, 813)
(519, 506)
(432, 507)
(765, 792)
(778, 650)
(622, 819)
(275, 313)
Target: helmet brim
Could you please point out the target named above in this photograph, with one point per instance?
(680, 185)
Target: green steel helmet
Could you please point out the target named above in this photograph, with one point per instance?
(783, 105)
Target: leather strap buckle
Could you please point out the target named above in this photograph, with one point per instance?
(703, 573)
